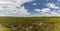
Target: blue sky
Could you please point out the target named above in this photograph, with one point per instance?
(30, 8)
(52, 5)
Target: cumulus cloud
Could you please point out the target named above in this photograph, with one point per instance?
(58, 11)
(48, 11)
(8, 8)
(54, 13)
(51, 5)
(20, 2)
(45, 10)
(23, 12)
(47, 14)
(37, 10)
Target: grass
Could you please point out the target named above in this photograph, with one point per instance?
(31, 23)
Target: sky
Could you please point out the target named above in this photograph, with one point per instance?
(29, 8)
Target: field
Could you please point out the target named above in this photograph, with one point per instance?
(30, 23)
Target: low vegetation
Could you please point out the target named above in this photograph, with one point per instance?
(30, 23)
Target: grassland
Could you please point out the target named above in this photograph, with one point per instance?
(30, 23)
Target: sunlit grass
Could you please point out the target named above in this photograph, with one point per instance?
(2, 28)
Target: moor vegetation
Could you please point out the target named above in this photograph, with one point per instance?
(30, 23)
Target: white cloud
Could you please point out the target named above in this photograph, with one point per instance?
(1, 8)
(55, 14)
(52, 13)
(49, 12)
(20, 2)
(18, 12)
(8, 9)
(2, 14)
(57, 7)
(45, 10)
(7, 1)
(37, 10)
(58, 11)
(51, 5)
(23, 12)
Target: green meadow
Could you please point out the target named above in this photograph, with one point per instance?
(29, 23)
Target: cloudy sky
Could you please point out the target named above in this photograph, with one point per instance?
(29, 8)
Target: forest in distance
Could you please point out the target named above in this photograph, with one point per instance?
(29, 23)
